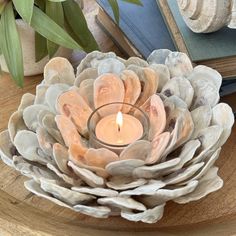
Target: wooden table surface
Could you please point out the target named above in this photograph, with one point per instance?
(22, 213)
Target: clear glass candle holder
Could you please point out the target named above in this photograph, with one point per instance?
(132, 115)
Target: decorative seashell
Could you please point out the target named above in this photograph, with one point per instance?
(64, 194)
(232, 23)
(100, 157)
(61, 157)
(122, 202)
(158, 146)
(53, 93)
(89, 73)
(110, 65)
(209, 162)
(27, 145)
(182, 174)
(67, 179)
(201, 118)
(93, 59)
(149, 216)
(41, 90)
(207, 184)
(163, 73)
(48, 122)
(33, 171)
(86, 91)
(206, 91)
(45, 140)
(222, 115)
(148, 189)
(149, 82)
(61, 69)
(35, 188)
(15, 124)
(174, 102)
(155, 110)
(124, 167)
(108, 88)
(87, 176)
(68, 130)
(205, 16)
(132, 88)
(179, 87)
(94, 211)
(154, 171)
(100, 192)
(6, 148)
(123, 182)
(136, 61)
(186, 154)
(137, 150)
(158, 56)
(179, 64)
(166, 194)
(30, 114)
(26, 100)
(72, 105)
(209, 138)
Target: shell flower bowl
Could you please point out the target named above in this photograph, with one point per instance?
(47, 138)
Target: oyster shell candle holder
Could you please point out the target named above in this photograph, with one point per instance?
(170, 153)
(208, 15)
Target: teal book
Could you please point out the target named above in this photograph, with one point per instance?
(217, 49)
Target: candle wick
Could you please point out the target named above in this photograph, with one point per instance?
(118, 128)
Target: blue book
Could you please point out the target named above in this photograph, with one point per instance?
(143, 27)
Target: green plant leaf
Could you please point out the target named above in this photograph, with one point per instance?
(78, 26)
(41, 50)
(25, 9)
(57, 0)
(115, 8)
(45, 26)
(55, 11)
(137, 2)
(11, 46)
(2, 5)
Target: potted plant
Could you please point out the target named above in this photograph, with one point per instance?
(33, 31)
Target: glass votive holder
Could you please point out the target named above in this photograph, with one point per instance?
(106, 131)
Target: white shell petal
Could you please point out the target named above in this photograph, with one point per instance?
(124, 167)
(148, 189)
(155, 170)
(64, 194)
(26, 100)
(179, 64)
(35, 188)
(163, 73)
(110, 65)
(94, 211)
(158, 56)
(179, 87)
(207, 184)
(89, 73)
(87, 176)
(41, 90)
(201, 118)
(123, 182)
(149, 216)
(137, 150)
(122, 202)
(6, 148)
(86, 91)
(100, 192)
(61, 69)
(30, 114)
(53, 93)
(27, 145)
(15, 124)
(136, 61)
(166, 194)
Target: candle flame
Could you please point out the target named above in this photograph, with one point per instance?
(119, 120)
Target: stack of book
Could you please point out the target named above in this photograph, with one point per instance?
(159, 24)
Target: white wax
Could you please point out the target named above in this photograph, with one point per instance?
(107, 130)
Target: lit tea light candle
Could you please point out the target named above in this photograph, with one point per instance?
(120, 129)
